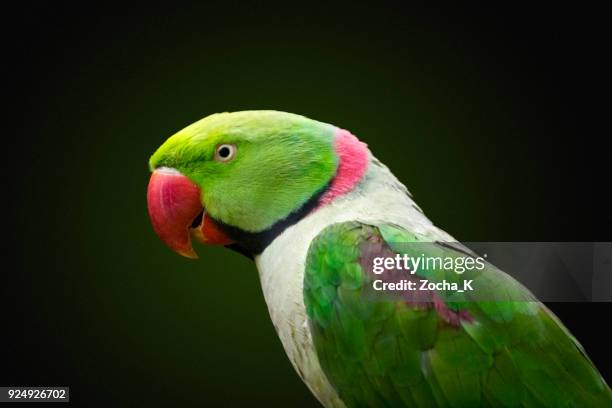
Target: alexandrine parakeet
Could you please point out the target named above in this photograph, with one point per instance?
(311, 205)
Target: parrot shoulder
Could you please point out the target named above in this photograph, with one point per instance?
(432, 348)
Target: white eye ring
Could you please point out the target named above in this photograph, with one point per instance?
(225, 152)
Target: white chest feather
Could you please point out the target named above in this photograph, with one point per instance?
(379, 198)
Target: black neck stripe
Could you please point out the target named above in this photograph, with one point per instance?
(254, 243)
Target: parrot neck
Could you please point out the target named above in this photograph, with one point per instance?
(353, 156)
(352, 165)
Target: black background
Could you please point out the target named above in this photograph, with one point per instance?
(483, 114)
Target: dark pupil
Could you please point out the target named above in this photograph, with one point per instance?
(224, 152)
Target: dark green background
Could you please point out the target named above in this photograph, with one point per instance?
(476, 114)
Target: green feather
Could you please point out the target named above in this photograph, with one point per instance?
(382, 351)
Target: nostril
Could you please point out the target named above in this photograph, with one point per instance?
(168, 170)
(197, 220)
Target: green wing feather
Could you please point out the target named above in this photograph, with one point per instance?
(381, 351)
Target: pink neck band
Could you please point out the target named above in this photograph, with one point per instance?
(353, 163)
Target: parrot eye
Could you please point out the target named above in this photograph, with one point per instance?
(225, 152)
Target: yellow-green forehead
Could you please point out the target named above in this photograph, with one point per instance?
(221, 125)
(247, 125)
(199, 139)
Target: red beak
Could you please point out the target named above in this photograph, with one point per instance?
(176, 213)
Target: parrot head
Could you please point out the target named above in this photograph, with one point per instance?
(237, 178)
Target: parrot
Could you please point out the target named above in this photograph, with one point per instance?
(311, 205)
